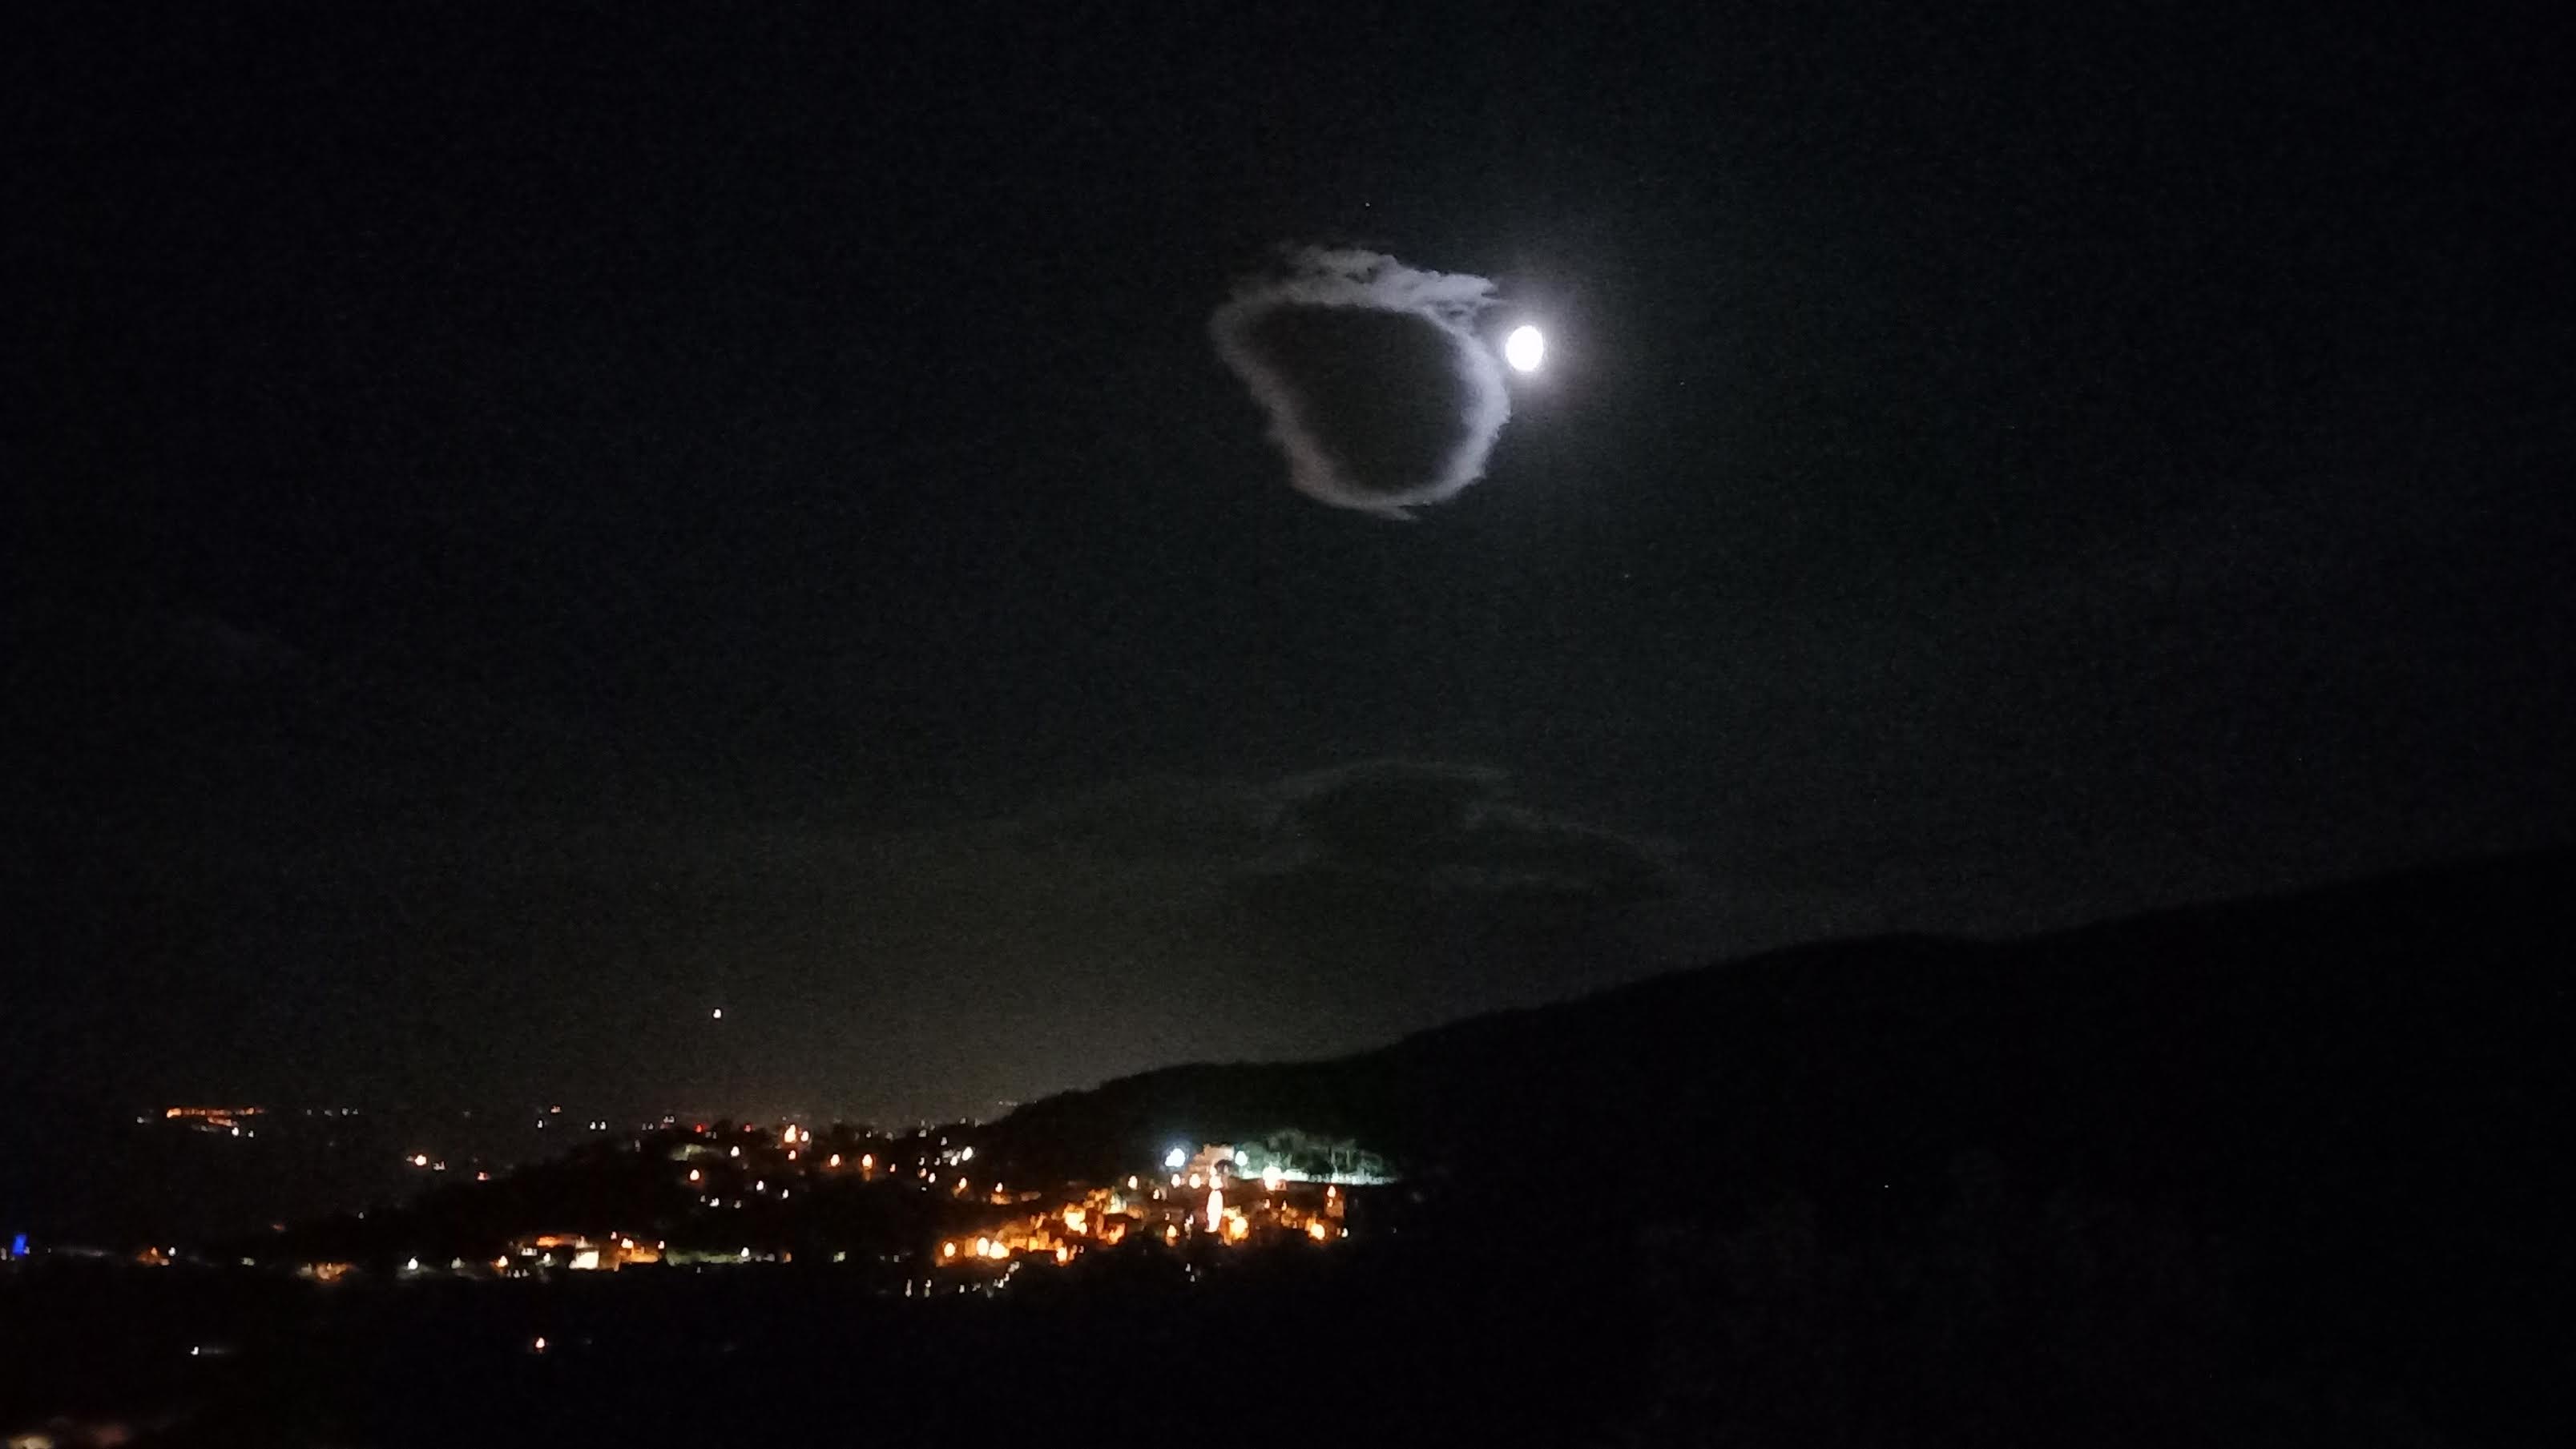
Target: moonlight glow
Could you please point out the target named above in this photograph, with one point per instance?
(1525, 349)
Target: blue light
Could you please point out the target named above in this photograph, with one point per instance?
(18, 1246)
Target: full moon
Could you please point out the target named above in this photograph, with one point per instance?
(1524, 349)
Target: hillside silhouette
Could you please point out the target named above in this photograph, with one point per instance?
(2283, 1171)
(2347, 1104)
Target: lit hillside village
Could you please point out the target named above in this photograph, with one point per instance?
(1269, 1199)
(1219, 1193)
(705, 1197)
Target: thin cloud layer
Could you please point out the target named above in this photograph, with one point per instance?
(1377, 387)
(1422, 827)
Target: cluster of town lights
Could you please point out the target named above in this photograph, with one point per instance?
(1232, 1197)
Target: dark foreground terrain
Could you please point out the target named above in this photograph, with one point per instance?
(2282, 1172)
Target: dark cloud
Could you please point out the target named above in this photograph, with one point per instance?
(1456, 828)
(227, 651)
(1398, 825)
(1378, 388)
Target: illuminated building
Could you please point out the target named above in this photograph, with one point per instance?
(1288, 1157)
(575, 1252)
(226, 1120)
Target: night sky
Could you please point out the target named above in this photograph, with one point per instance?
(524, 530)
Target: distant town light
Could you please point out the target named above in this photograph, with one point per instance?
(539, 1345)
(835, 1162)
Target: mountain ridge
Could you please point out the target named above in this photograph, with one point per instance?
(2173, 994)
